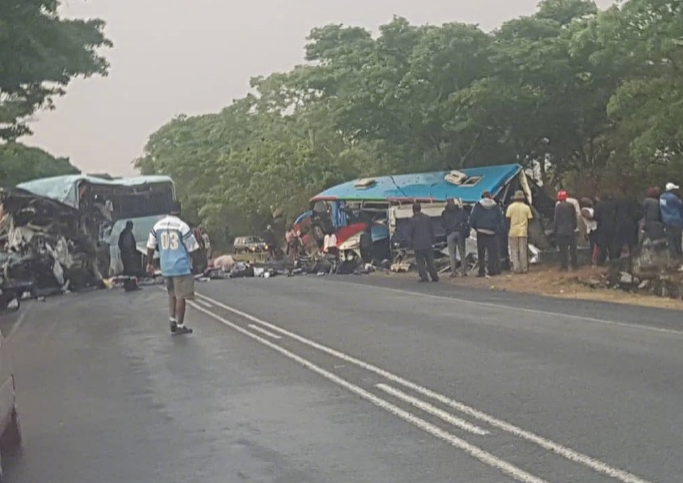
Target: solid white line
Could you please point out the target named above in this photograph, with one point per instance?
(205, 303)
(520, 309)
(545, 443)
(433, 410)
(474, 451)
(264, 332)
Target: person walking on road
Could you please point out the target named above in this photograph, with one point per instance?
(456, 224)
(565, 231)
(672, 217)
(174, 240)
(421, 235)
(488, 221)
(519, 214)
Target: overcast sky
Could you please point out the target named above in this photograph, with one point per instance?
(178, 56)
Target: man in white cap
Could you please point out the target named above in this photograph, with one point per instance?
(672, 217)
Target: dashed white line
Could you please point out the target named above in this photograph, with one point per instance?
(433, 410)
(17, 324)
(264, 331)
(568, 453)
(474, 451)
(204, 303)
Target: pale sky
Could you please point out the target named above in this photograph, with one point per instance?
(193, 57)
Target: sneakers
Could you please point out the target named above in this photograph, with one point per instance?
(178, 329)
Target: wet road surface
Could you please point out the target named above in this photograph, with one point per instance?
(355, 379)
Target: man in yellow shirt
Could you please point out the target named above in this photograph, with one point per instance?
(518, 215)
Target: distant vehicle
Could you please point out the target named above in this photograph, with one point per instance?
(250, 244)
(10, 429)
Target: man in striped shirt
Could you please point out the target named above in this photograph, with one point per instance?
(174, 240)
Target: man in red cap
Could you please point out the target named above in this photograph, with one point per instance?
(565, 225)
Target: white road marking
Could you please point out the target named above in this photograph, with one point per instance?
(433, 410)
(17, 324)
(264, 332)
(568, 453)
(520, 309)
(204, 303)
(474, 451)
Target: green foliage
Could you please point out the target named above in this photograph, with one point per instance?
(19, 163)
(39, 55)
(583, 96)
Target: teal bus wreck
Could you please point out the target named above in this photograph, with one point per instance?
(57, 232)
(380, 206)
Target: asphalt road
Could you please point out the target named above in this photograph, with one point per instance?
(349, 379)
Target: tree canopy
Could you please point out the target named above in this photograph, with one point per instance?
(588, 99)
(19, 163)
(40, 53)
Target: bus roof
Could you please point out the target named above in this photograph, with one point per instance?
(65, 188)
(424, 186)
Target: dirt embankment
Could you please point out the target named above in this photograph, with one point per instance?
(549, 281)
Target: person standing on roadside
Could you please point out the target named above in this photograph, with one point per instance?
(207, 244)
(672, 217)
(565, 231)
(488, 221)
(129, 257)
(292, 241)
(651, 226)
(518, 215)
(587, 212)
(271, 241)
(421, 235)
(605, 214)
(456, 224)
(175, 241)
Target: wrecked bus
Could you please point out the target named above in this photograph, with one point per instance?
(56, 231)
(346, 209)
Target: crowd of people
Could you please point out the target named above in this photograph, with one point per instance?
(612, 226)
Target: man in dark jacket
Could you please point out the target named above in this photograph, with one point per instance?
(456, 224)
(565, 225)
(271, 240)
(421, 235)
(129, 257)
(488, 221)
(606, 215)
(629, 214)
(651, 226)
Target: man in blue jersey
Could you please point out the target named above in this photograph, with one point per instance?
(175, 241)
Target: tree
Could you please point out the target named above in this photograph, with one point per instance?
(647, 37)
(40, 53)
(20, 163)
(588, 97)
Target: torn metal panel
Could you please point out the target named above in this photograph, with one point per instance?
(100, 208)
(119, 198)
(45, 246)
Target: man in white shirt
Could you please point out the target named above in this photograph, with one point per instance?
(174, 240)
